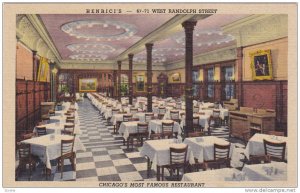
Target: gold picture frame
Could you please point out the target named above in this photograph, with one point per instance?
(176, 77)
(88, 85)
(261, 65)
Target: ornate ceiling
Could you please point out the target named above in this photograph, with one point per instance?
(95, 38)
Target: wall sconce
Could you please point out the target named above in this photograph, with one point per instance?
(54, 70)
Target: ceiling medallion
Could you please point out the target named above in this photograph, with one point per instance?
(180, 39)
(123, 30)
(88, 57)
(91, 48)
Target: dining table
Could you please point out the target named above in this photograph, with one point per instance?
(255, 145)
(157, 153)
(48, 147)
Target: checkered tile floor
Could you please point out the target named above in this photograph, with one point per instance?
(105, 158)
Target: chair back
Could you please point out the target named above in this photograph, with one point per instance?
(149, 117)
(178, 155)
(69, 129)
(114, 111)
(142, 127)
(67, 146)
(133, 110)
(160, 116)
(70, 120)
(167, 127)
(178, 105)
(196, 120)
(216, 113)
(174, 115)
(196, 109)
(221, 151)
(162, 110)
(41, 130)
(201, 113)
(127, 118)
(24, 151)
(276, 151)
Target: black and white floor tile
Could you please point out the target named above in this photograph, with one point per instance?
(105, 158)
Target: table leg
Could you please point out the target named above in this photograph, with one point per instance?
(158, 173)
(149, 164)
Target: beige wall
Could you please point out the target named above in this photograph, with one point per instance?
(279, 58)
(24, 62)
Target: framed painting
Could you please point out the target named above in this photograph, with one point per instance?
(88, 85)
(176, 77)
(140, 83)
(261, 65)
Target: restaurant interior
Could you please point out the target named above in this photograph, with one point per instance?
(166, 97)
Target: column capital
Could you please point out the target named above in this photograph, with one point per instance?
(149, 46)
(130, 56)
(189, 25)
(119, 62)
(34, 52)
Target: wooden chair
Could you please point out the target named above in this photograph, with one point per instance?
(45, 119)
(25, 158)
(221, 156)
(67, 153)
(174, 115)
(177, 161)
(127, 118)
(51, 112)
(68, 129)
(196, 124)
(162, 110)
(149, 117)
(41, 130)
(142, 132)
(216, 117)
(274, 151)
(167, 129)
(196, 109)
(115, 111)
(160, 116)
(178, 105)
(133, 110)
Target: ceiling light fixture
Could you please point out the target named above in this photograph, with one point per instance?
(124, 31)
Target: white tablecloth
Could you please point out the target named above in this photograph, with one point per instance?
(255, 145)
(47, 148)
(158, 151)
(203, 147)
(224, 174)
(128, 127)
(274, 171)
(156, 125)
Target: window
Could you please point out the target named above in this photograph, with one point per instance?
(124, 84)
(196, 86)
(227, 84)
(210, 83)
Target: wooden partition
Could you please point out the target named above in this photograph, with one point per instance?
(29, 95)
